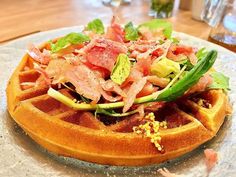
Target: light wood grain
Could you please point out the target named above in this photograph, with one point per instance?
(18, 18)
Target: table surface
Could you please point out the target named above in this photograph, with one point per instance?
(20, 18)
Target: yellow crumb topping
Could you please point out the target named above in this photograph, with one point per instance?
(151, 129)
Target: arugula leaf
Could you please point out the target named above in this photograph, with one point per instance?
(158, 24)
(71, 38)
(220, 81)
(201, 53)
(111, 112)
(121, 69)
(189, 79)
(131, 33)
(96, 26)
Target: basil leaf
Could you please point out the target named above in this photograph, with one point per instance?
(220, 81)
(121, 69)
(96, 26)
(71, 38)
(189, 79)
(131, 33)
(201, 53)
(159, 24)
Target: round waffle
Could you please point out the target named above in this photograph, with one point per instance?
(79, 134)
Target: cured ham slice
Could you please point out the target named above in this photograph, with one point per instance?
(134, 89)
(201, 85)
(85, 81)
(110, 86)
(103, 52)
(178, 53)
(115, 32)
(37, 55)
(155, 80)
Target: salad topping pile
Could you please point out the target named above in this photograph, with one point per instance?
(124, 70)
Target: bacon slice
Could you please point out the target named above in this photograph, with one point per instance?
(85, 81)
(135, 88)
(103, 52)
(37, 55)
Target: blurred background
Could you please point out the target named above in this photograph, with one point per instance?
(213, 20)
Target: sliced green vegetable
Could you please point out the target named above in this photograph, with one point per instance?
(164, 67)
(121, 69)
(158, 24)
(189, 79)
(201, 53)
(131, 33)
(72, 38)
(187, 63)
(110, 112)
(220, 81)
(96, 26)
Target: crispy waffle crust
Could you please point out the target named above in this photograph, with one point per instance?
(110, 141)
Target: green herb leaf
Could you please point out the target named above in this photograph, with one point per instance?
(112, 113)
(157, 24)
(96, 26)
(201, 53)
(131, 33)
(72, 38)
(220, 81)
(121, 69)
(189, 79)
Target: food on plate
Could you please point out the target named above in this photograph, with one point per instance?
(121, 95)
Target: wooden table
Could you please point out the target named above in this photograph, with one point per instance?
(19, 18)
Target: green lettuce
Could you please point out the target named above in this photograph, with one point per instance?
(220, 81)
(121, 69)
(131, 33)
(71, 38)
(96, 26)
(156, 24)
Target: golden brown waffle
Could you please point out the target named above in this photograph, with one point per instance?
(80, 135)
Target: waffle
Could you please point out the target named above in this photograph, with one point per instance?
(107, 140)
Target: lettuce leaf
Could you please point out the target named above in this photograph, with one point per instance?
(71, 38)
(131, 33)
(96, 26)
(121, 69)
(220, 81)
(159, 24)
